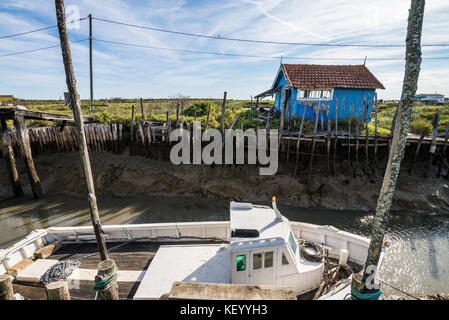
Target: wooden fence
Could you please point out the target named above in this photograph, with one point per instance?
(48, 140)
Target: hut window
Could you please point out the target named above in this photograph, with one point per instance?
(241, 262)
(322, 94)
(268, 259)
(257, 261)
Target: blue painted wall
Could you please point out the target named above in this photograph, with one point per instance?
(346, 98)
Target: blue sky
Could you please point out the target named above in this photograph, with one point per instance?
(128, 72)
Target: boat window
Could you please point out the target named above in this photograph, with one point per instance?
(292, 242)
(257, 261)
(241, 262)
(284, 259)
(268, 259)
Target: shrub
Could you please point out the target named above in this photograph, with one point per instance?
(421, 126)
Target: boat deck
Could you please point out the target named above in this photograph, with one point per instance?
(132, 256)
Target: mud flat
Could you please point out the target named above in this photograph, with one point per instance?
(125, 176)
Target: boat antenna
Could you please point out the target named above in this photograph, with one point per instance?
(278, 214)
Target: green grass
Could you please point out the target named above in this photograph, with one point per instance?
(119, 111)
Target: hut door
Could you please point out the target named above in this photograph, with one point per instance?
(262, 268)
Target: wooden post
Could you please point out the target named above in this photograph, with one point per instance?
(375, 134)
(106, 281)
(356, 147)
(349, 138)
(208, 113)
(281, 121)
(433, 145)
(177, 114)
(366, 138)
(58, 290)
(289, 128)
(77, 114)
(328, 140)
(10, 161)
(336, 138)
(418, 146)
(317, 114)
(131, 133)
(299, 139)
(223, 114)
(6, 290)
(443, 153)
(412, 68)
(141, 110)
(24, 140)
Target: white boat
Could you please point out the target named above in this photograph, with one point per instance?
(258, 246)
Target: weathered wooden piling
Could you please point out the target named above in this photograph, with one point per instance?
(58, 290)
(366, 137)
(131, 133)
(312, 151)
(141, 110)
(223, 114)
(79, 122)
(24, 140)
(335, 138)
(106, 281)
(433, 144)
(6, 289)
(443, 153)
(10, 161)
(299, 139)
(375, 133)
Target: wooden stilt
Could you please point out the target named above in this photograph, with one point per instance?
(317, 114)
(328, 140)
(223, 114)
(10, 161)
(349, 138)
(131, 133)
(356, 147)
(24, 141)
(299, 139)
(433, 144)
(375, 134)
(334, 158)
(418, 146)
(443, 153)
(366, 137)
(141, 110)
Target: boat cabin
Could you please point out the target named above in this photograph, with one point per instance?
(264, 250)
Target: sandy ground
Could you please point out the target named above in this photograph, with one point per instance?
(122, 176)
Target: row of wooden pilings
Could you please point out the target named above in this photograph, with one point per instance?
(106, 286)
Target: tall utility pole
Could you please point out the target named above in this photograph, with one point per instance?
(91, 68)
(79, 124)
(404, 115)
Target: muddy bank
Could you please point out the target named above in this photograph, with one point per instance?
(122, 176)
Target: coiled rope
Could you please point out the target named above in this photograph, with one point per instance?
(356, 295)
(319, 252)
(105, 284)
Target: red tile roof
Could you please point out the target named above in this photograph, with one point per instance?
(314, 76)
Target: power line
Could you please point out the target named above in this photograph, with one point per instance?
(39, 49)
(264, 41)
(256, 56)
(36, 30)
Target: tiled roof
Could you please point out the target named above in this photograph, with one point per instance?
(314, 76)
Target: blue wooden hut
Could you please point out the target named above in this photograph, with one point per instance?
(299, 86)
